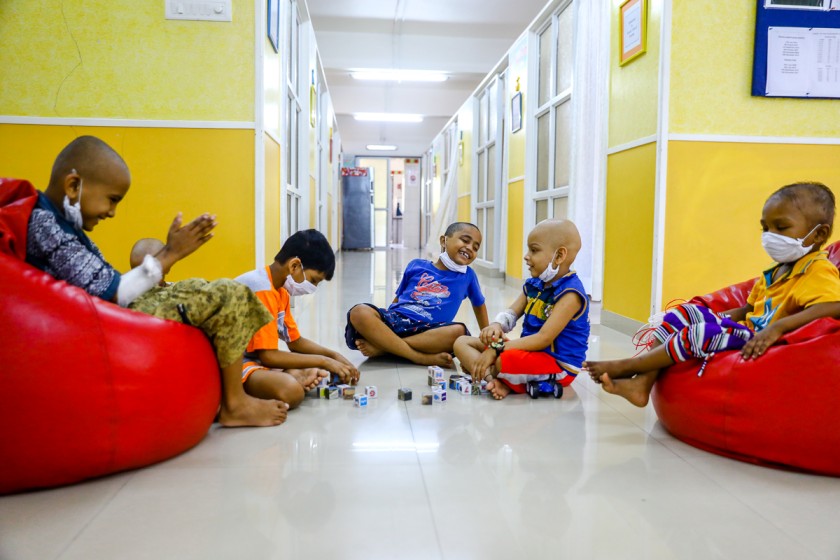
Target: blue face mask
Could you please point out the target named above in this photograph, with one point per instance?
(73, 212)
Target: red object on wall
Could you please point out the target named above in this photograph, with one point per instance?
(88, 388)
(779, 410)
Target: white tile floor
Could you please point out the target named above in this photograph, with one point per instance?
(586, 477)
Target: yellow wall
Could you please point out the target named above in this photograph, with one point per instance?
(272, 198)
(313, 201)
(465, 209)
(172, 170)
(711, 76)
(715, 195)
(634, 87)
(628, 247)
(515, 219)
(122, 59)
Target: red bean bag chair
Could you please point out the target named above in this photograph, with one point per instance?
(780, 410)
(88, 388)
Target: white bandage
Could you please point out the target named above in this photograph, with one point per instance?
(138, 281)
(507, 319)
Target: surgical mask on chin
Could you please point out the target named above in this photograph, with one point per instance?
(299, 288)
(549, 272)
(783, 249)
(73, 212)
(450, 264)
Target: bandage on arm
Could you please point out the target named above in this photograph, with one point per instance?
(507, 319)
(139, 280)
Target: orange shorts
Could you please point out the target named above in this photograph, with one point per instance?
(520, 366)
(249, 367)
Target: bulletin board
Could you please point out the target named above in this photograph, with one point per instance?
(797, 49)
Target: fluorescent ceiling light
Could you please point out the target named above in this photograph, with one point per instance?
(389, 117)
(399, 75)
(381, 147)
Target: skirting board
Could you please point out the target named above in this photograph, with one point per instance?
(620, 323)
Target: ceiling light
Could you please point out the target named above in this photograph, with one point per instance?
(381, 147)
(389, 117)
(399, 75)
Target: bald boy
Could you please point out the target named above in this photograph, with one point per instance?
(555, 327)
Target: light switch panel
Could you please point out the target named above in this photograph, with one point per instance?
(200, 10)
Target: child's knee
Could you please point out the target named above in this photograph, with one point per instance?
(359, 312)
(462, 343)
(292, 394)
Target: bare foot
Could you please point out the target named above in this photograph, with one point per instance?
(498, 389)
(368, 349)
(633, 389)
(250, 411)
(444, 359)
(309, 377)
(615, 369)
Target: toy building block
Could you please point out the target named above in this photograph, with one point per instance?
(426, 398)
(465, 388)
(484, 389)
(324, 392)
(360, 400)
(341, 389)
(453, 381)
(404, 394)
(439, 395)
(371, 391)
(324, 382)
(332, 392)
(348, 393)
(436, 372)
(476, 389)
(335, 379)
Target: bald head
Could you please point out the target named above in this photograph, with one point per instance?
(556, 234)
(92, 159)
(146, 246)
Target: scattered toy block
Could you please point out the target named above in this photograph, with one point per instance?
(360, 400)
(349, 393)
(371, 391)
(439, 395)
(426, 398)
(453, 381)
(332, 392)
(404, 394)
(465, 387)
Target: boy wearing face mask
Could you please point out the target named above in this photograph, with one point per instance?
(803, 286)
(418, 325)
(555, 327)
(304, 261)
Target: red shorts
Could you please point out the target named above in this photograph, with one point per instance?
(520, 366)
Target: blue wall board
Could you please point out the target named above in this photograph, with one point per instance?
(766, 18)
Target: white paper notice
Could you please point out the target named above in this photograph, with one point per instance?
(632, 28)
(803, 62)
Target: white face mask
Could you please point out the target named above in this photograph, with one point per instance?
(550, 272)
(299, 288)
(783, 249)
(73, 212)
(450, 264)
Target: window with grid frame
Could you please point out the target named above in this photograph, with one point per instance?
(553, 116)
(488, 169)
(292, 112)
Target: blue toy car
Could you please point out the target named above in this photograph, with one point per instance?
(548, 386)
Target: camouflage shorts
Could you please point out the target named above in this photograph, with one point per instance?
(228, 312)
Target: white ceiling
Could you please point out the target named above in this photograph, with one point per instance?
(463, 38)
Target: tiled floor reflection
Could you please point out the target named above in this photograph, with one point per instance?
(585, 477)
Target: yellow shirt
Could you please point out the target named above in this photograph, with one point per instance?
(812, 279)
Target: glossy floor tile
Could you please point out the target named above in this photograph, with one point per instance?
(587, 476)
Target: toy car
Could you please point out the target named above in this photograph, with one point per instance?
(548, 386)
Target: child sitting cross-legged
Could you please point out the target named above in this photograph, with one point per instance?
(305, 260)
(555, 329)
(804, 285)
(418, 326)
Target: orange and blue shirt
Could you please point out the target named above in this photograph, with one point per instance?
(570, 345)
(811, 280)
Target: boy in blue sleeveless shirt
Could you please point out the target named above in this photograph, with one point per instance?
(555, 329)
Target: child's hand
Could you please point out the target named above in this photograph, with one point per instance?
(485, 361)
(182, 241)
(758, 344)
(491, 333)
(345, 370)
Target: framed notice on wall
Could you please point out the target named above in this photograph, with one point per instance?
(273, 19)
(632, 30)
